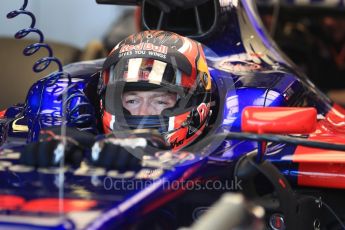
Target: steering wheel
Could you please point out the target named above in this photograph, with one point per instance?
(297, 213)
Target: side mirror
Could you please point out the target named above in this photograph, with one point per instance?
(279, 120)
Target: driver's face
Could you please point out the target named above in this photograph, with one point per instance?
(147, 103)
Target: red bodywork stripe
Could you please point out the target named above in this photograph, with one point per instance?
(322, 167)
(322, 175)
(10, 202)
(45, 205)
(55, 205)
(2, 113)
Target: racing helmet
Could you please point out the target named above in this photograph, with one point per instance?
(158, 61)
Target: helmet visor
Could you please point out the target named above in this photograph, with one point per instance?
(162, 87)
(146, 86)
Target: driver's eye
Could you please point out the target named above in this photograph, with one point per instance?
(161, 102)
(130, 101)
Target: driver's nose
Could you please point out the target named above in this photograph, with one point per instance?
(144, 110)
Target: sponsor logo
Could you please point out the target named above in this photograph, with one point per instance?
(144, 47)
(16, 128)
(176, 143)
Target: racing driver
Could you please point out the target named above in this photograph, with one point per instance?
(157, 80)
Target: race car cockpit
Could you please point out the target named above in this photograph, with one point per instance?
(85, 126)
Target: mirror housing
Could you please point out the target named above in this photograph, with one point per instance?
(279, 120)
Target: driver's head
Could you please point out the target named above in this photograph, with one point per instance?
(157, 80)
